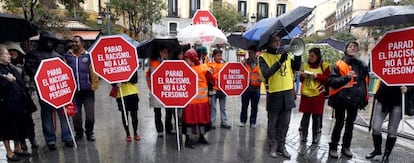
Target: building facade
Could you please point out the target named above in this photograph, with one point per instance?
(180, 12)
(316, 21)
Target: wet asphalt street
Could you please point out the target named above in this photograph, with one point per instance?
(233, 145)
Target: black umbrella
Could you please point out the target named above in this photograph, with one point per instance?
(337, 44)
(146, 48)
(282, 25)
(15, 28)
(236, 40)
(387, 15)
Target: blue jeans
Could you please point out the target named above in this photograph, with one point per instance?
(85, 98)
(46, 114)
(222, 103)
(252, 95)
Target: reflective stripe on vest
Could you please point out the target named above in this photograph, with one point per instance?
(343, 68)
(283, 78)
(254, 75)
(202, 95)
(152, 66)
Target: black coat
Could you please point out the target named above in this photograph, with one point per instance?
(336, 80)
(13, 109)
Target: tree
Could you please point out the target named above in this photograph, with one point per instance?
(141, 13)
(313, 38)
(227, 16)
(345, 36)
(38, 13)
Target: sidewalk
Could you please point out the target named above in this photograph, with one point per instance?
(230, 146)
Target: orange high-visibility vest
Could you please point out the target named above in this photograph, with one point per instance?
(152, 66)
(202, 94)
(254, 75)
(343, 68)
(216, 69)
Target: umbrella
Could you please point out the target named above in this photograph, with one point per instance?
(145, 48)
(15, 28)
(387, 15)
(282, 25)
(236, 40)
(201, 33)
(337, 44)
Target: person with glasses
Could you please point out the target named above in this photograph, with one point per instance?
(277, 69)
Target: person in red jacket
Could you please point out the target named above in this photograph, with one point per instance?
(196, 115)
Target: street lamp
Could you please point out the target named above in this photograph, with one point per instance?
(107, 14)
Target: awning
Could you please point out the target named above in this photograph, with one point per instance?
(86, 35)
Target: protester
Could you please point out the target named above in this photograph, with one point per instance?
(252, 93)
(13, 122)
(217, 64)
(347, 93)
(87, 83)
(45, 50)
(17, 60)
(196, 115)
(313, 77)
(277, 70)
(158, 55)
(202, 54)
(388, 103)
(130, 96)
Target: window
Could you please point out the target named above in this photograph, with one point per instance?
(243, 8)
(194, 6)
(262, 10)
(172, 28)
(280, 9)
(172, 8)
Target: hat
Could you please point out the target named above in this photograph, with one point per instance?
(201, 50)
(48, 35)
(192, 54)
(14, 46)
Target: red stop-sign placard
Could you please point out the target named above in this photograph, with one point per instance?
(55, 82)
(204, 17)
(392, 59)
(114, 59)
(233, 79)
(174, 83)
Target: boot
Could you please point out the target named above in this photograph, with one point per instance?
(377, 139)
(316, 136)
(202, 139)
(389, 144)
(333, 150)
(303, 135)
(34, 143)
(188, 143)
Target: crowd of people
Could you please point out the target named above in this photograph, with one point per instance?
(276, 68)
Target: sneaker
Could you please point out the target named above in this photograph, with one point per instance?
(128, 139)
(160, 134)
(253, 126)
(333, 153)
(78, 136)
(51, 147)
(226, 126)
(137, 137)
(242, 124)
(283, 152)
(347, 152)
(91, 138)
(273, 153)
(69, 143)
